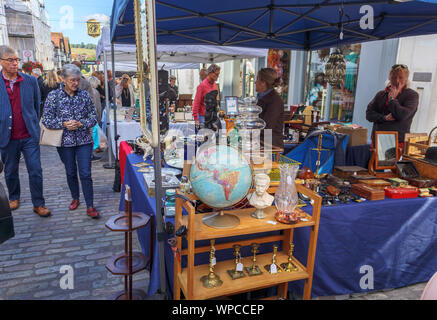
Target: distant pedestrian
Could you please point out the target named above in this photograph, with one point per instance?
(84, 84)
(95, 83)
(71, 109)
(19, 130)
(49, 84)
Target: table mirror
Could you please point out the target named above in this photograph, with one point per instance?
(386, 149)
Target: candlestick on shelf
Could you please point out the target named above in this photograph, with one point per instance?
(211, 280)
(289, 266)
(254, 269)
(237, 272)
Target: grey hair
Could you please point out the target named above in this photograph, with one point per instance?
(37, 71)
(213, 68)
(94, 82)
(70, 70)
(7, 50)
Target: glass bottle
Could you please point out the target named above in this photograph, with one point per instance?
(286, 197)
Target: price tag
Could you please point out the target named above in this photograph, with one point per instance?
(239, 267)
(213, 262)
(304, 219)
(272, 222)
(273, 268)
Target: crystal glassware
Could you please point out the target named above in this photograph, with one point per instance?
(286, 197)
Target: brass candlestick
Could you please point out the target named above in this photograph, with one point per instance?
(290, 266)
(254, 269)
(268, 267)
(235, 273)
(211, 280)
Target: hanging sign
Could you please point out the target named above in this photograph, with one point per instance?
(93, 28)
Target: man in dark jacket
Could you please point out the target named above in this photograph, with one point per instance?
(393, 108)
(19, 130)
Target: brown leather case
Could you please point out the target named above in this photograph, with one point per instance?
(376, 183)
(345, 172)
(421, 182)
(368, 192)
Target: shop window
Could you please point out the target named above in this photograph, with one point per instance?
(335, 103)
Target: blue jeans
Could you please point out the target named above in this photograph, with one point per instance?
(11, 159)
(79, 157)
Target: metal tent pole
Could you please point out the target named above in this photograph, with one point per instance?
(117, 178)
(116, 137)
(110, 164)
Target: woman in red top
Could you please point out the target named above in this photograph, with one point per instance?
(205, 102)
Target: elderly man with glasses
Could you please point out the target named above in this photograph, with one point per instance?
(19, 130)
(393, 108)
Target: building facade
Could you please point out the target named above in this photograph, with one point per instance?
(61, 49)
(29, 31)
(4, 40)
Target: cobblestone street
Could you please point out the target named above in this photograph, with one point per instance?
(30, 262)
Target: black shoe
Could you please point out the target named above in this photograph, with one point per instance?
(94, 158)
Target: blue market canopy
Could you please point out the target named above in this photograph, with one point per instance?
(292, 24)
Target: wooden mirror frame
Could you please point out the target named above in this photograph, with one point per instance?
(373, 162)
(152, 136)
(395, 133)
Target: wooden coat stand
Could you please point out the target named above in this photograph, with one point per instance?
(128, 263)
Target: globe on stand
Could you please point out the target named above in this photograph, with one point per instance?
(220, 177)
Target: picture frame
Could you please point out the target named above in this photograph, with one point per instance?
(231, 106)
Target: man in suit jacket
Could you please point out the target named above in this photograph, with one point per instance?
(19, 130)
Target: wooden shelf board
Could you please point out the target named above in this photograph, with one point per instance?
(247, 283)
(248, 224)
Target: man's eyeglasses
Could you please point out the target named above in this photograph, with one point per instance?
(402, 66)
(11, 60)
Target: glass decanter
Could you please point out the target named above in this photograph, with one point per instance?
(286, 197)
(251, 125)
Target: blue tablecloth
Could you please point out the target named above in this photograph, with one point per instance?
(141, 202)
(397, 238)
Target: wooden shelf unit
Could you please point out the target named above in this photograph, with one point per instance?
(187, 280)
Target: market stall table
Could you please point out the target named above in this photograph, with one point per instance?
(396, 238)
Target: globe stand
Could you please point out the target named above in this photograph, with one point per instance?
(221, 220)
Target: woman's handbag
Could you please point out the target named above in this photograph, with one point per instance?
(51, 137)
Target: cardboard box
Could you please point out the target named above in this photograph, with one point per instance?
(357, 136)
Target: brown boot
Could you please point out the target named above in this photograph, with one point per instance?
(42, 211)
(14, 204)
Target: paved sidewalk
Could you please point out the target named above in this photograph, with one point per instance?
(30, 262)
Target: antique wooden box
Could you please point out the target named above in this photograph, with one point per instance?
(401, 193)
(345, 172)
(376, 183)
(408, 171)
(367, 192)
(358, 177)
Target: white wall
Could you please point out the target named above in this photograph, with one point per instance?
(376, 59)
(419, 54)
